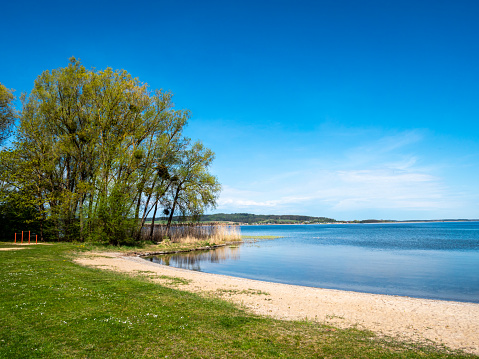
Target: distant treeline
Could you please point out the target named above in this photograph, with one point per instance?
(257, 218)
(250, 218)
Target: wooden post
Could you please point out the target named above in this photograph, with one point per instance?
(22, 237)
(15, 237)
(28, 237)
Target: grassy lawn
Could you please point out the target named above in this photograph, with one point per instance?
(51, 307)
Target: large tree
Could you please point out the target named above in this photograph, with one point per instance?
(95, 149)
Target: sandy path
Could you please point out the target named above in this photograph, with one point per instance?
(23, 246)
(453, 324)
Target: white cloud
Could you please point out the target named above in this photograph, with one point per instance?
(343, 190)
(236, 198)
(388, 189)
(385, 177)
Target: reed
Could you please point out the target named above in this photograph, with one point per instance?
(193, 232)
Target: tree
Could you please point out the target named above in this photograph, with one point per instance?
(95, 150)
(7, 112)
(194, 188)
(20, 206)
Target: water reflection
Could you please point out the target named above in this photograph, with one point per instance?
(193, 260)
(436, 261)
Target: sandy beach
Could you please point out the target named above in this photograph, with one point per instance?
(453, 324)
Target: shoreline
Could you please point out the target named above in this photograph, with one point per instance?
(385, 222)
(449, 323)
(160, 253)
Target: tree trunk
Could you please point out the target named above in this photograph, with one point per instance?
(81, 217)
(42, 218)
(172, 211)
(152, 226)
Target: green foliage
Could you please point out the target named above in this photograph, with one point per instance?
(113, 219)
(7, 112)
(193, 188)
(16, 216)
(94, 151)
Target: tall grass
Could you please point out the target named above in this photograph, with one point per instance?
(193, 232)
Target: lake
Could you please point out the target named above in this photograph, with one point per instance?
(424, 260)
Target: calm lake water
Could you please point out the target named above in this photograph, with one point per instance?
(425, 260)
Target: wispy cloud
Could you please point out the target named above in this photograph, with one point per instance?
(344, 190)
(387, 177)
(388, 188)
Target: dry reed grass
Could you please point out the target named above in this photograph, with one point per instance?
(193, 232)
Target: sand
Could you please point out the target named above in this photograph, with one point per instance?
(452, 324)
(23, 246)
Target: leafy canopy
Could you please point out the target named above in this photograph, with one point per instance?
(96, 151)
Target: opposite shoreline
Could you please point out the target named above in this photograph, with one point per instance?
(452, 324)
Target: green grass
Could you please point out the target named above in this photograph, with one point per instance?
(51, 307)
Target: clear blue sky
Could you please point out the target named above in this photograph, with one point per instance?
(346, 109)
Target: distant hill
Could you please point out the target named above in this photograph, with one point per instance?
(261, 218)
(251, 219)
(415, 220)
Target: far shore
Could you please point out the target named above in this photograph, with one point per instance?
(351, 222)
(452, 324)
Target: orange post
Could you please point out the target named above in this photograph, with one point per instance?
(36, 238)
(28, 237)
(15, 237)
(22, 237)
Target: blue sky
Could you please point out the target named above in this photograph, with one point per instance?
(345, 109)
